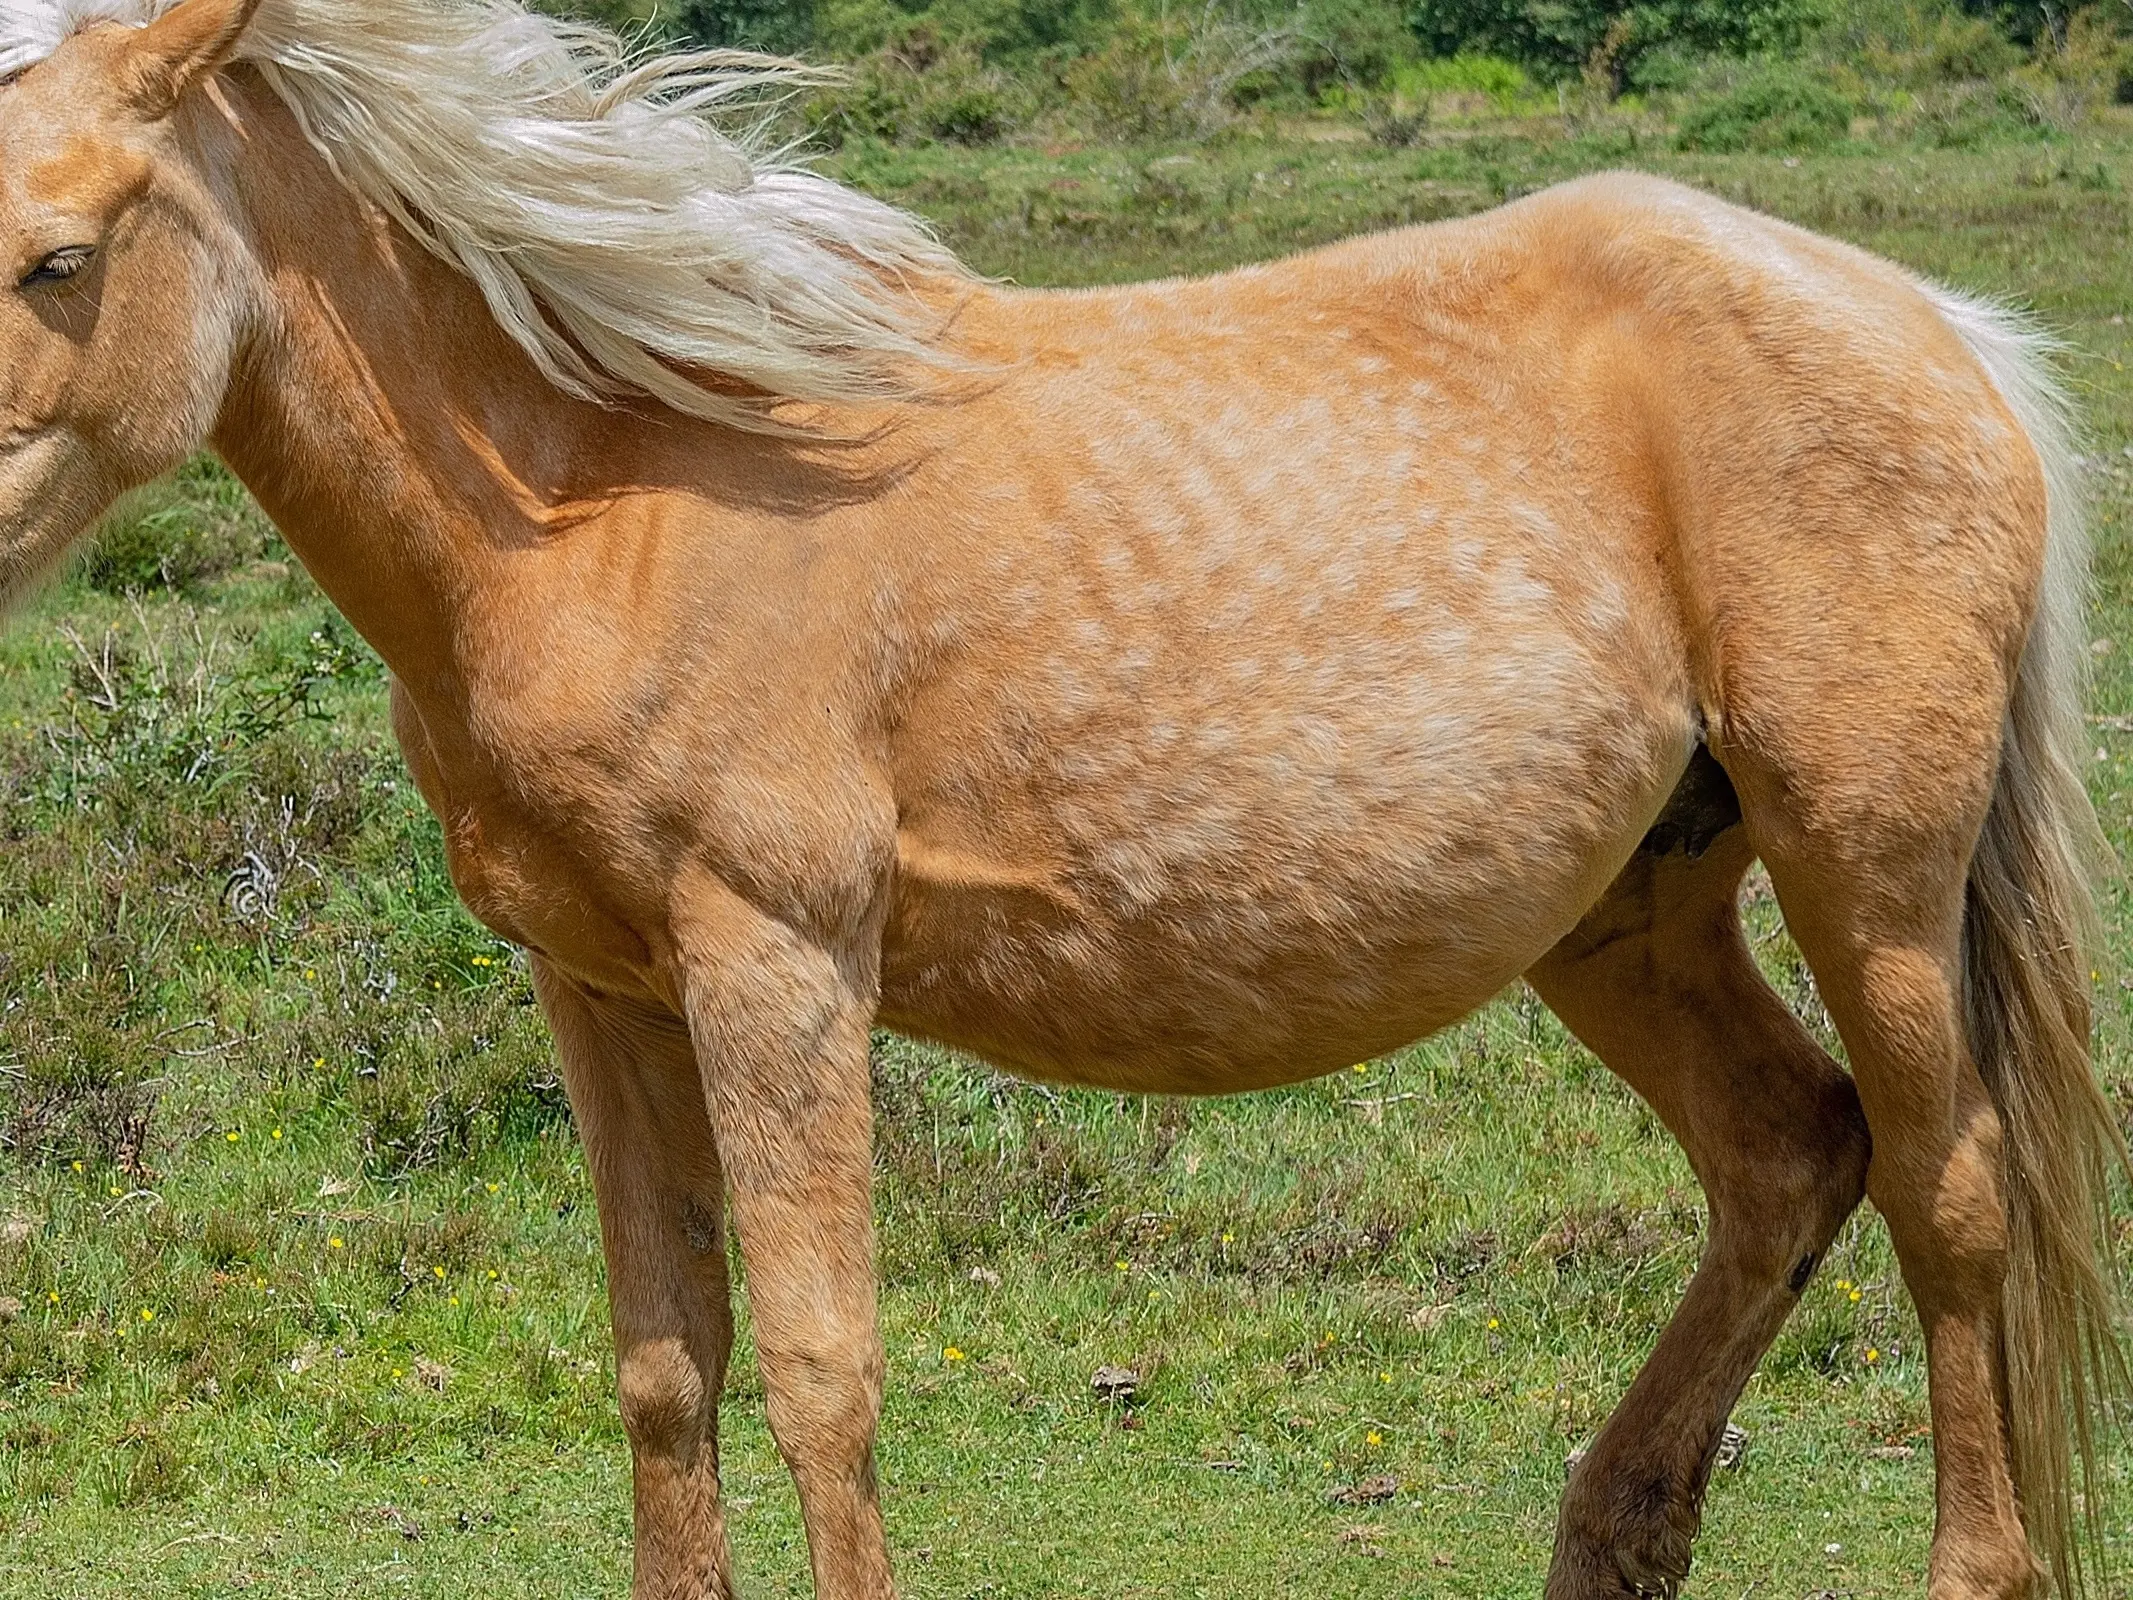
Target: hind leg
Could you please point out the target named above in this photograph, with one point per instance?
(1658, 981)
(1875, 900)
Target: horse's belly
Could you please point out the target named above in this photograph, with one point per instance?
(1231, 783)
(1268, 931)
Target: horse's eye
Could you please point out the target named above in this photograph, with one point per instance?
(60, 265)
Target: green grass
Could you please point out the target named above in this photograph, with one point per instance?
(303, 1290)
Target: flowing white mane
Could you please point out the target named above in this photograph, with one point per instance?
(627, 220)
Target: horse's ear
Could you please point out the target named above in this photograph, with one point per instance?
(181, 47)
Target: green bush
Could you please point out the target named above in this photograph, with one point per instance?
(2089, 63)
(1130, 89)
(1915, 44)
(1353, 43)
(1560, 38)
(1776, 109)
(1183, 79)
(178, 534)
(786, 27)
(2027, 22)
(920, 91)
(1967, 116)
(1025, 33)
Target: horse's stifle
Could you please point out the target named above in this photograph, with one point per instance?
(1185, 687)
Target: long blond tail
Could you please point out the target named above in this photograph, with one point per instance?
(2030, 934)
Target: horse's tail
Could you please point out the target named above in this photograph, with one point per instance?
(2030, 934)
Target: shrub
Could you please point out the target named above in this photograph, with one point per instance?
(178, 534)
(1353, 43)
(1964, 116)
(1173, 80)
(2089, 63)
(921, 91)
(1394, 123)
(2027, 22)
(1019, 33)
(1776, 109)
(1916, 43)
(1558, 39)
(785, 27)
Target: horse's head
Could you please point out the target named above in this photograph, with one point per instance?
(121, 294)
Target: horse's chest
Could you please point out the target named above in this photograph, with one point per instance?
(526, 865)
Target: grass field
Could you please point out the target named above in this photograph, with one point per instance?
(300, 1289)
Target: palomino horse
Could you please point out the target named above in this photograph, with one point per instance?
(1185, 688)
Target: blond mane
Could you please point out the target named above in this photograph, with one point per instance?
(628, 219)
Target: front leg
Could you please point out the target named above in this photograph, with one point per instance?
(638, 1100)
(781, 1023)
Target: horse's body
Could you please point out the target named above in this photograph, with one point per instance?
(1174, 762)
(1238, 782)
(1203, 686)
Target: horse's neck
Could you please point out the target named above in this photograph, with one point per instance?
(396, 437)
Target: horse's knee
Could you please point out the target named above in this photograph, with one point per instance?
(823, 1395)
(662, 1396)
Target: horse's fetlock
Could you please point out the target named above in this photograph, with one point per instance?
(1628, 1532)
